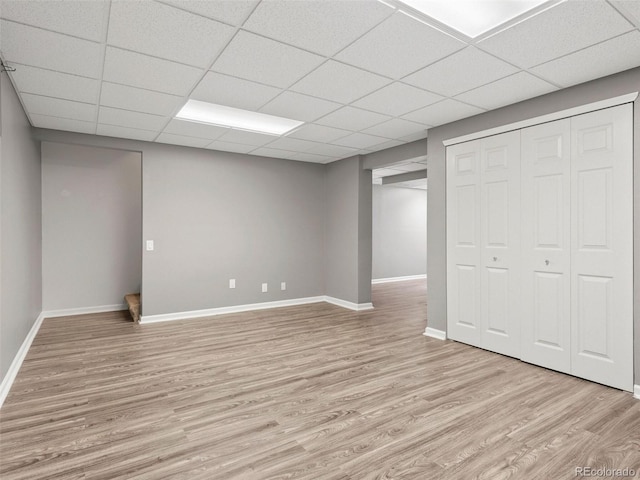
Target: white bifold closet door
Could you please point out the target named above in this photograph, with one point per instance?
(500, 243)
(463, 243)
(483, 243)
(602, 246)
(546, 245)
(540, 245)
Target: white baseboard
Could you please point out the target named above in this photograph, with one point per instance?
(209, 312)
(167, 317)
(636, 391)
(398, 279)
(84, 310)
(8, 379)
(435, 333)
(358, 307)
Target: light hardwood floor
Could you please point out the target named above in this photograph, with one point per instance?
(313, 392)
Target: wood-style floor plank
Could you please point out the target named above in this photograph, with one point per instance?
(305, 392)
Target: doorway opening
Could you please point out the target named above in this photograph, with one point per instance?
(399, 224)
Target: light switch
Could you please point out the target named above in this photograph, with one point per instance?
(265, 287)
(150, 246)
(283, 285)
(232, 283)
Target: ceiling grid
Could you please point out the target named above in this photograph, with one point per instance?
(363, 75)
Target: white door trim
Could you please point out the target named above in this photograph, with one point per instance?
(570, 112)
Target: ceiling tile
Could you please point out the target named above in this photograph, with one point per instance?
(506, 91)
(233, 92)
(310, 157)
(230, 147)
(299, 107)
(142, 71)
(557, 31)
(364, 151)
(386, 144)
(335, 151)
(442, 112)
(353, 119)
(194, 129)
(271, 152)
(414, 136)
(292, 144)
(397, 99)
(319, 133)
(55, 107)
(630, 8)
(322, 26)
(182, 140)
(125, 118)
(55, 84)
(462, 71)
(247, 138)
(360, 140)
(123, 132)
(54, 123)
(395, 128)
(131, 98)
(39, 48)
(398, 46)
(234, 12)
(613, 56)
(340, 83)
(79, 18)
(267, 61)
(166, 32)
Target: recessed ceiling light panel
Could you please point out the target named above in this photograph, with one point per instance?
(473, 17)
(221, 115)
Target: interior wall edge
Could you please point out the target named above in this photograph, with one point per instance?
(18, 359)
(435, 333)
(375, 281)
(66, 312)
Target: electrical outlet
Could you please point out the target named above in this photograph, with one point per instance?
(232, 283)
(150, 246)
(265, 287)
(283, 285)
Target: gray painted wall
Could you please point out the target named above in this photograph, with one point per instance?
(399, 231)
(365, 232)
(20, 245)
(348, 231)
(614, 85)
(341, 229)
(215, 216)
(255, 219)
(91, 226)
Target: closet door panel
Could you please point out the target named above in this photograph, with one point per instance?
(463, 242)
(500, 257)
(546, 258)
(602, 246)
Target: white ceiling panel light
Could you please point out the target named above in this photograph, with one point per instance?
(212, 114)
(473, 17)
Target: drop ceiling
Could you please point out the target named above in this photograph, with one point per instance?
(398, 168)
(363, 75)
